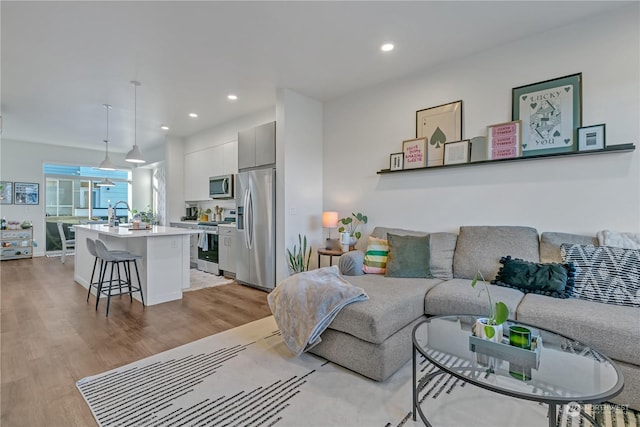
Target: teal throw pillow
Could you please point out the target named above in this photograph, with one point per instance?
(550, 279)
(408, 256)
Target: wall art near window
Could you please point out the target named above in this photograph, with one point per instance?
(396, 161)
(592, 137)
(457, 152)
(6, 192)
(26, 193)
(439, 125)
(551, 113)
(504, 140)
(415, 153)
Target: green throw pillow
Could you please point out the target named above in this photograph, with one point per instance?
(551, 279)
(408, 256)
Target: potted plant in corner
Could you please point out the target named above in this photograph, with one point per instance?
(490, 328)
(299, 258)
(350, 225)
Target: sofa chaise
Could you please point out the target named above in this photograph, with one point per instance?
(373, 337)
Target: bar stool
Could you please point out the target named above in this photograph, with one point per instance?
(91, 247)
(116, 258)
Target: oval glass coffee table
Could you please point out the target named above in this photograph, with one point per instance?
(563, 371)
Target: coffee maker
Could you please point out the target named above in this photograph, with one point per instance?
(192, 213)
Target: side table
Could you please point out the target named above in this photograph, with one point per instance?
(330, 253)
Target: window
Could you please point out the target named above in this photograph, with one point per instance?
(73, 196)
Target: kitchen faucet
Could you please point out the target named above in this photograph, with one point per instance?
(112, 220)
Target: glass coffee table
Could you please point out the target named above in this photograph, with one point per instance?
(563, 372)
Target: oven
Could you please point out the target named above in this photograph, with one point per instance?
(208, 248)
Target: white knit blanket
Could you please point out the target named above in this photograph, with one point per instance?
(618, 239)
(304, 305)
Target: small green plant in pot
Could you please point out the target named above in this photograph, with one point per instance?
(300, 257)
(490, 327)
(350, 225)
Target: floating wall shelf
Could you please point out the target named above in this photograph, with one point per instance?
(620, 148)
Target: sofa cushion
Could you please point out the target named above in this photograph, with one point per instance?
(441, 248)
(456, 296)
(550, 244)
(350, 263)
(550, 279)
(393, 303)
(605, 274)
(612, 329)
(408, 256)
(375, 258)
(481, 247)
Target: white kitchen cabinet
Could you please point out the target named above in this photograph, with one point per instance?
(257, 146)
(230, 158)
(198, 167)
(227, 249)
(193, 243)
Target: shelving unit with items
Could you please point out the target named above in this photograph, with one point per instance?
(16, 244)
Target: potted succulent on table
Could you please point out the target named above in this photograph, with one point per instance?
(350, 225)
(490, 328)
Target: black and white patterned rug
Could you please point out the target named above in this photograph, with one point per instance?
(247, 377)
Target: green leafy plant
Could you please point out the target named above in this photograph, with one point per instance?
(300, 257)
(498, 313)
(351, 224)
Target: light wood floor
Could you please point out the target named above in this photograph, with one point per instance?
(51, 337)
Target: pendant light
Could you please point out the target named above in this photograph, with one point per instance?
(106, 164)
(106, 182)
(135, 156)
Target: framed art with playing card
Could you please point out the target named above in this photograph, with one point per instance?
(551, 113)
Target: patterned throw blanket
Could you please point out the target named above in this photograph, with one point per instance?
(304, 305)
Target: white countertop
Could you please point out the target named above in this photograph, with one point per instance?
(154, 231)
(227, 224)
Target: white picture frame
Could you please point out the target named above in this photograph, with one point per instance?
(415, 153)
(396, 161)
(457, 152)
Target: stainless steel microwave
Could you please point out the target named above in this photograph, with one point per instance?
(221, 187)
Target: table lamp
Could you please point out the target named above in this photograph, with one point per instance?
(330, 220)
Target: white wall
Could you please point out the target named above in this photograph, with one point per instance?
(581, 194)
(174, 164)
(298, 175)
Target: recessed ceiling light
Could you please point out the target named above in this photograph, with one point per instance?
(387, 47)
(193, 115)
(164, 127)
(232, 97)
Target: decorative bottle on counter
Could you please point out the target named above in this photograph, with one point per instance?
(3, 226)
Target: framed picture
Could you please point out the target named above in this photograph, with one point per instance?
(551, 113)
(592, 137)
(457, 152)
(504, 140)
(439, 125)
(396, 161)
(415, 153)
(26, 193)
(6, 192)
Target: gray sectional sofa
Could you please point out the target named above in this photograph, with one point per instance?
(373, 337)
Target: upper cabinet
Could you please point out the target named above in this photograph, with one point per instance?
(200, 165)
(257, 146)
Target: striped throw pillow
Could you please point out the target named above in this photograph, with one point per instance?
(375, 259)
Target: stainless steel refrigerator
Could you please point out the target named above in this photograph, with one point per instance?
(256, 223)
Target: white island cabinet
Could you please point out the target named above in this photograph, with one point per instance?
(164, 268)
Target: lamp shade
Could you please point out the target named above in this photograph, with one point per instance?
(330, 219)
(134, 155)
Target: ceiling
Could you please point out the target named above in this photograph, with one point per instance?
(61, 61)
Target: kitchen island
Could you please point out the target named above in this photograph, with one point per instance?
(164, 268)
